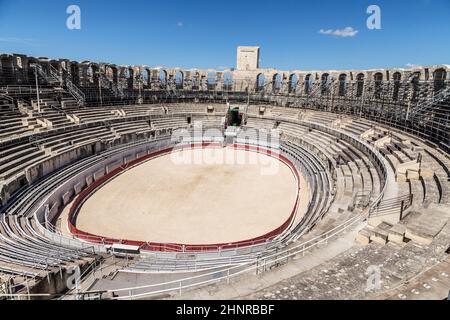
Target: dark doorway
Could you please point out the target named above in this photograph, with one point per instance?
(234, 117)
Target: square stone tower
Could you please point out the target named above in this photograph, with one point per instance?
(247, 58)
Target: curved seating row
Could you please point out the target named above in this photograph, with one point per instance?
(343, 177)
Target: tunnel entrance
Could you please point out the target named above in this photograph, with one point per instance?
(234, 117)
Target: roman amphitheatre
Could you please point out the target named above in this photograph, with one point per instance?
(242, 183)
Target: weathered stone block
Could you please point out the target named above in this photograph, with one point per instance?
(379, 236)
(363, 237)
(397, 234)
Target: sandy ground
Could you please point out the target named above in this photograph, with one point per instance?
(170, 201)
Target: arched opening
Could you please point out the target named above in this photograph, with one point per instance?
(7, 71)
(276, 83)
(149, 78)
(163, 78)
(126, 73)
(293, 82)
(143, 77)
(109, 73)
(440, 75)
(359, 85)
(211, 80)
(308, 83)
(179, 80)
(378, 79)
(397, 76)
(227, 81)
(325, 84)
(130, 78)
(415, 78)
(342, 84)
(89, 74)
(96, 74)
(260, 82)
(75, 73)
(196, 81)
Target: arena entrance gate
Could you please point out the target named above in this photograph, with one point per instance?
(234, 117)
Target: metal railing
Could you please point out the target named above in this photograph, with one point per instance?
(431, 102)
(392, 205)
(7, 97)
(75, 92)
(227, 274)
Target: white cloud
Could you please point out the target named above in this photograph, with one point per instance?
(180, 24)
(346, 32)
(412, 65)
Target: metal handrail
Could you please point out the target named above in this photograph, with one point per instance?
(430, 102)
(235, 271)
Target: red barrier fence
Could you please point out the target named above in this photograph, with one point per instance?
(172, 247)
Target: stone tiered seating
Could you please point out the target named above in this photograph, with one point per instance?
(11, 123)
(292, 129)
(320, 117)
(60, 142)
(55, 118)
(195, 108)
(440, 165)
(357, 180)
(16, 163)
(143, 110)
(209, 121)
(26, 253)
(285, 113)
(432, 185)
(346, 177)
(169, 123)
(133, 127)
(255, 110)
(86, 115)
(318, 179)
(50, 112)
(359, 126)
(260, 123)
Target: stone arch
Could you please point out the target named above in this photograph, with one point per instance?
(148, 76)
(75, 72)
(415, 80)
(342, 84)
(29, 66)
(162, 76)
(360, 84)
(309, 80)
(179, 79)
(130, 77)
(439, 77)
(378, 76)
(109, 73)
(397, 77)
(227, 81)
(293, 82)
(260, 82)
(196, 80)
(378, 81)
(211, 79)
(276, 82)
(325, 81)
(89, 73)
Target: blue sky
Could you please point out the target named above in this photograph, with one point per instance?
(205, 33)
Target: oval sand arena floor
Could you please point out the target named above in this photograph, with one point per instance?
(194, 196)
